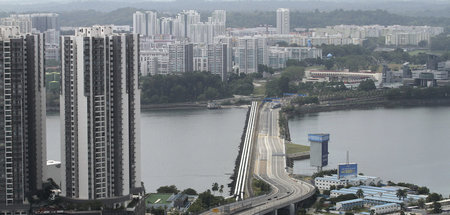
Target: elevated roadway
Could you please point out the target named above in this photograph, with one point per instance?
(269, 165)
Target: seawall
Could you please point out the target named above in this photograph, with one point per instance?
(233, 177)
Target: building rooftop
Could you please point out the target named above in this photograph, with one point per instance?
(158, 198)
(351, 201)
(384, 205)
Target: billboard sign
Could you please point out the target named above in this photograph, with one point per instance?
(349, 170)
(318, 137)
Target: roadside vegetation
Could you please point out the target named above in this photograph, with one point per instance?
(260, 187)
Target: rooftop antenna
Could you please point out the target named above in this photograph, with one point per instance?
(348, 160)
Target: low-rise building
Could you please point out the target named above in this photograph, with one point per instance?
(180, 201)
(386, 208)
(377, 195)
(345, 76)
(349, 204)
(324, 183)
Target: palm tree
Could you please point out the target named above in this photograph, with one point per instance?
(401, 194)
(215, 187)
(360, 193)
(221, 189)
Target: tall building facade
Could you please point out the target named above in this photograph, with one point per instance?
(250, 52)
(45, 21)
(181, 57)
(219, 16)
(22, 118)
(23, 21)
(283, 21)
(218, 59)
(145, 23)
(100, 112)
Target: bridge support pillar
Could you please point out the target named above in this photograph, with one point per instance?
(292, 209)
(275, 212)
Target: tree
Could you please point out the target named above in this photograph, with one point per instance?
(282, 44)
(283, 84)
(329, 63)
(293, 73)
(372, 212)
(360, 193)
(215, 187)
(167, 189)
(189, 191)
(423, 43)
(367, 85)
(401, 194)
(433, 197)
(423, 191)
(421, 203)
(437, 208)
(221, 189)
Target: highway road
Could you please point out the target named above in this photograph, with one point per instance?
(269, 164)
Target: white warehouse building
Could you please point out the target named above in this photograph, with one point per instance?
(324, 183)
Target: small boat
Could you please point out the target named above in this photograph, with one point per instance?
(212, 105)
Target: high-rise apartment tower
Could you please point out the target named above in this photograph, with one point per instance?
(22, 118)
(283, 21)
(100, 112)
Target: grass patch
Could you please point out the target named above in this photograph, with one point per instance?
(292, 148)
(259, 89)
(416, 52)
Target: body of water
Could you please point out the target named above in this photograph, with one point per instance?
(187, 148)
(400, 144)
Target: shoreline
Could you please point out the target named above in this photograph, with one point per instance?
(169, 106)
(383, 103)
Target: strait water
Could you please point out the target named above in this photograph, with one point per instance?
(194, 148)
(400, 144)
(187, 148)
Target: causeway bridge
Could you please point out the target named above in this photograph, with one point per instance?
(263, 157)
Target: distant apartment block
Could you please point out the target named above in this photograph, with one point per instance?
(283, 21)
(279, 55)
(396, 35)
(23, 22)
(145, 23)
(181, 58)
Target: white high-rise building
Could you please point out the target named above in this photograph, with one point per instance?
(246, 54)
(283, 21)
(100, 113)
(250, 52)
(139, 23)
(219, 16)
(22, 21)
(145, 23)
